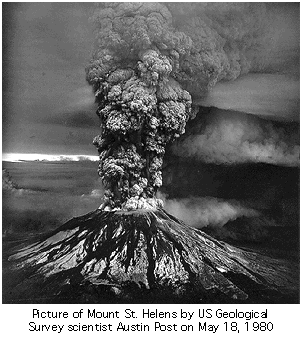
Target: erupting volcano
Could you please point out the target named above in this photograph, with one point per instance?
(145, 71)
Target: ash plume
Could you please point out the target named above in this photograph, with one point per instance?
(149, 62)
(140, 105)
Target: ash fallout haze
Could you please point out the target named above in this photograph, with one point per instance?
(193, 110)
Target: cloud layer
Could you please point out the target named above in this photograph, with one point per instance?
(270, 95)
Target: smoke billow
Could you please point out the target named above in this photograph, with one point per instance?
(206, 212)
(149, 61)
(237, 138)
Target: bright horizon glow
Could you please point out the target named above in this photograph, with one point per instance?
(18, 157)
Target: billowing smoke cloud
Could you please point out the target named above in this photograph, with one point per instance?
(261, 45)
(223, 219)
(204, 212)
(233, 39)
(140, 105)
(238, 138)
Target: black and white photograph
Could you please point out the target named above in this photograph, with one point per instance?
(150, 153)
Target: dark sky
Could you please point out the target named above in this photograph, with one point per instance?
(49, 108)
(47, 105)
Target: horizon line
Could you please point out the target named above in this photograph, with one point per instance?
(18, 157)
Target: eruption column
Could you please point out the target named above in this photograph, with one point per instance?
(140, 106)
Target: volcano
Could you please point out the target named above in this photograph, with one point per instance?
(149, 66)
(143, 256)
